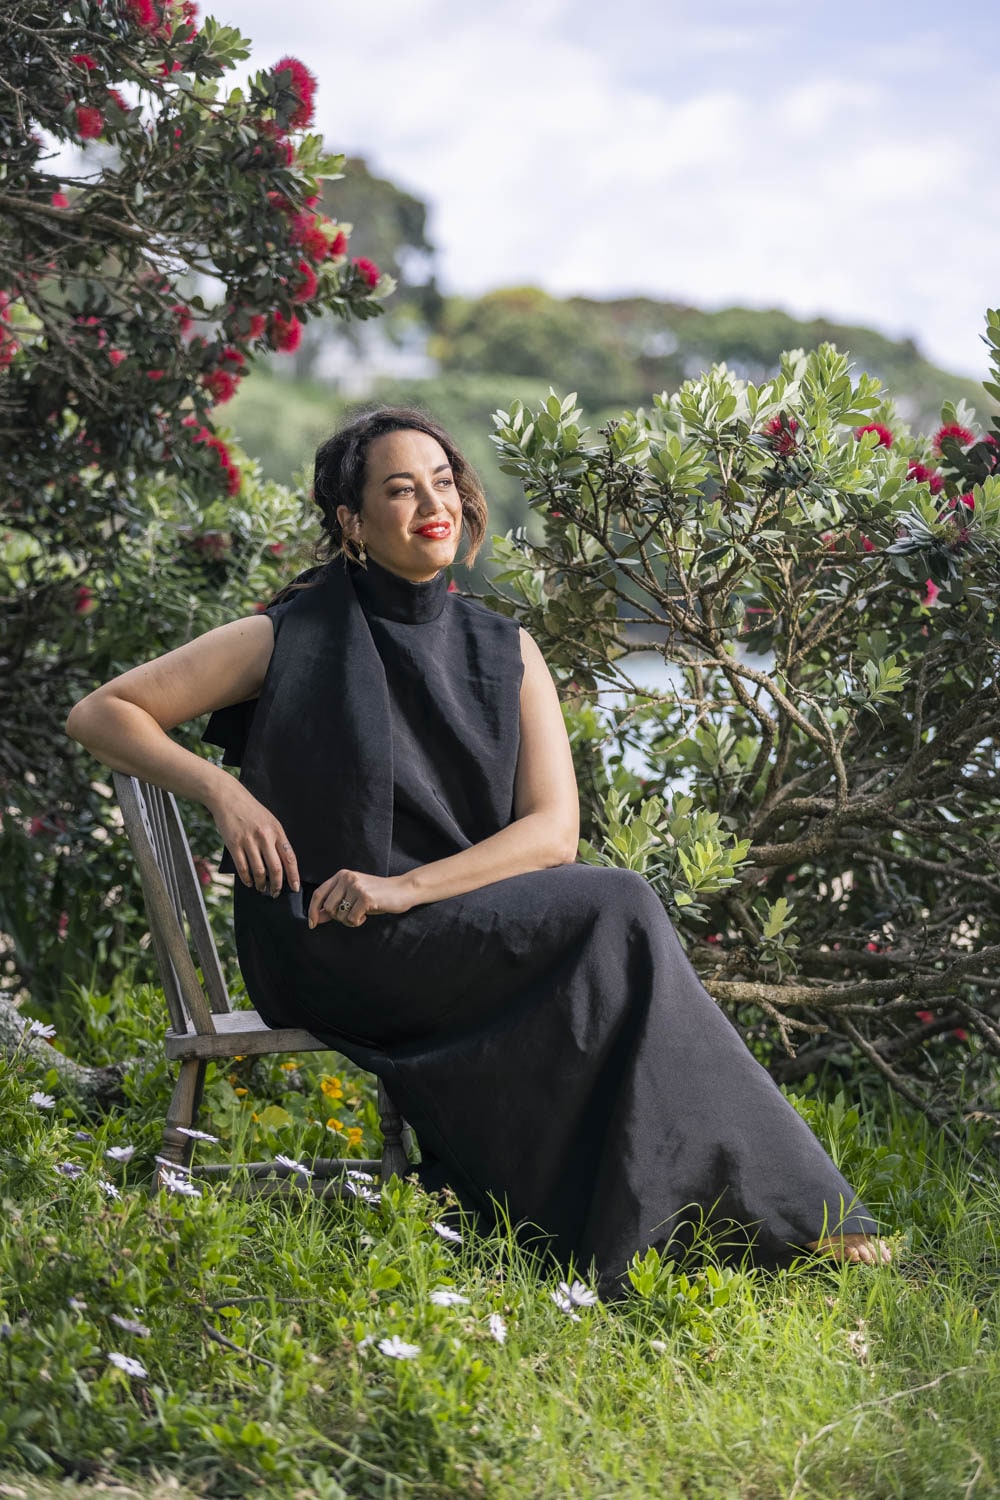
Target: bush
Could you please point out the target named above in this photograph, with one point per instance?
(159, 234)
(814, 789)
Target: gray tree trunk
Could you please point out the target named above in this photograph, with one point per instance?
(95, 1088)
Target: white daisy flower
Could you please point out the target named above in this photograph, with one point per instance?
(174, 1182)
(446, 1232)
(572, 1296)
(367, 1341)
(108, 1188)
(120, 1153)
(498, 1328)
(369, 1195)
(359, 1176)
(579, 1294)
(130, 1366)
(42, 1101)
(41, 1028)
(172, 1166)
(443, 1296)
(76, 1304)
(293, 1165)
(658, 1346)
(395, 1348)
(71, 1169)
(131, 1325)
(197, 1135)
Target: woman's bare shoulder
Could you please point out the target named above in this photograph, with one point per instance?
(225, 665)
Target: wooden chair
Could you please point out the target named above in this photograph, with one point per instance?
(203, 1024)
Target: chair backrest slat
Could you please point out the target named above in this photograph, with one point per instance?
(162, 847)
(142, 812)
(194, 907)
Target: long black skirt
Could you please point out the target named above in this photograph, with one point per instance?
(555, 1052)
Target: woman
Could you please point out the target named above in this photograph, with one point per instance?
(404, 834)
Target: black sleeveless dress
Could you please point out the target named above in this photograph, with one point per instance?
(545, 1035)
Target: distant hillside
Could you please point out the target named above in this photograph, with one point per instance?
(618, 352)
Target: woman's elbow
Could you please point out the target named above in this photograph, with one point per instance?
(74, 721)
(566, 847)
(80, 719)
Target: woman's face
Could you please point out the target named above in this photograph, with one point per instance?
(411, 511)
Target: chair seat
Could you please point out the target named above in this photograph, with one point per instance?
(240, 1032)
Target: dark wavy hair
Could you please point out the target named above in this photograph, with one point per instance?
(339, 479)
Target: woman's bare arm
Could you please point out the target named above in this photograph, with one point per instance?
(124, 724)
(545, 830)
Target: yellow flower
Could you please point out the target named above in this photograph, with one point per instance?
(332, 1087)
(354, 1135)
(231, 1077)
(241, 1058)
(332, 1124)
(255, 1117)
(289, 1067)
(240, 1092)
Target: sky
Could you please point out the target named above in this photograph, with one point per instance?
(828, 157)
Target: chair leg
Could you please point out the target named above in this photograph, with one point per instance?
(184, 1106)
(395, 1162)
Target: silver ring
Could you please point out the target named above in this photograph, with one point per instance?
(345, 905)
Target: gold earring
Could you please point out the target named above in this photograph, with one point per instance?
(362, 553)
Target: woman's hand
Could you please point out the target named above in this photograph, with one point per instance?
(256, 840)
(366, 895)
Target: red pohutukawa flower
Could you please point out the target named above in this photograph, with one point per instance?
(962, 436)
(307, 230)
(59, 200)
(143, 12)
(338, 245)
(83, 60)
(308, 283)
(367, 270)
(303, 86)
(884, 435)
(122, 104)
(781, 433)
(285, 333)
(922, 474)
(218, 447)
(221, 384)
(258, 323)
(183, 316)
(89, 122)
(189, 14)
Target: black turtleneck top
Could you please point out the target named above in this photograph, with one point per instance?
(386, 731)
(427, 694)
(389, 596)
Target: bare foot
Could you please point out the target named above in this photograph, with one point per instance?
(863, 1249)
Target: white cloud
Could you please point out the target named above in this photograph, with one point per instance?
(834, 174)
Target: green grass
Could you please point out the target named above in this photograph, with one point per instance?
(706, 1382)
